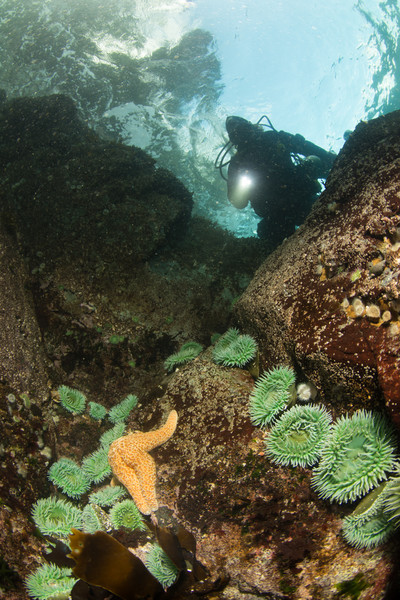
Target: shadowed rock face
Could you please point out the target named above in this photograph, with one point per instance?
(328, 299)
(73, 196)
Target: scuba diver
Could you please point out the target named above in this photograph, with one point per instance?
(277, 172)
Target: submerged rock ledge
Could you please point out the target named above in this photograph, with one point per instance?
(328, 300)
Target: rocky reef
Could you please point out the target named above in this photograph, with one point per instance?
(327, 301)
(105, 274)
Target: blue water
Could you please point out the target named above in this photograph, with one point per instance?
(315, 68)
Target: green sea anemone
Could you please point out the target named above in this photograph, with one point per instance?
(234, 350)
(56, 517)
(69, 477)
(72, 400)
(50, 582)
(368, 526)
(126, 514)
(391, 504)
(272, 393)
(187, 352)
(95, 467)
(94, 519)
(112, 434)
(120, 412)
(108, 495)
(230, 336)
(97, 411)
(356, 457)
(161, 566)
(298, 435)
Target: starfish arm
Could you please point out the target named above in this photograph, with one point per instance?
(145, 469)
(127, 476)
(152, 439)
(135, 468)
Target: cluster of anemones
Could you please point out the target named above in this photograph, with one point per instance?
(355, 454)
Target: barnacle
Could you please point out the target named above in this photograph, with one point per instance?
(355, 458)
(298, 435)
(272, 393)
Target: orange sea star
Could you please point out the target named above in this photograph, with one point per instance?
(135, 468)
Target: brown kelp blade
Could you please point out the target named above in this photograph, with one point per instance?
(101, 560)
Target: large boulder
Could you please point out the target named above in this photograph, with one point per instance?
(74, 197)
(24, 394)
(260, 528)
(327, 300)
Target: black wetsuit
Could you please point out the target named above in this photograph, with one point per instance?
(283, 191)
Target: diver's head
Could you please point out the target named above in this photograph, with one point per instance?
(313, 165)
(239, 130)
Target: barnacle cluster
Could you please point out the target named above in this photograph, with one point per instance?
(383, 267)
(378, 313)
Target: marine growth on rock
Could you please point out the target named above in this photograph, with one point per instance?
(357, 456)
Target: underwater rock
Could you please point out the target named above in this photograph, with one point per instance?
(23, 395)
(307, 302)
(73, 196)
(260, 524)
(22, 360)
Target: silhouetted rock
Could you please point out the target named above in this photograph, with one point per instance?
(72, 196)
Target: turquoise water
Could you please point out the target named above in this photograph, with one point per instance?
(164, 75)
